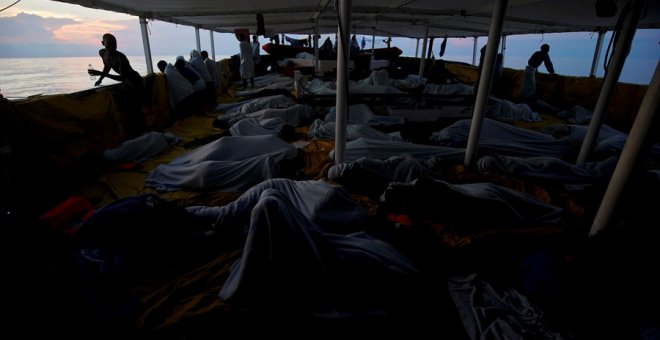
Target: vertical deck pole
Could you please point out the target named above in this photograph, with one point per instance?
(474, 51)
(146, 45)
(341, 102)
(599, 46)
(198, 44)
(212, 45)
(611, 78)
(422, 62)
(485, 81)
(636, 139)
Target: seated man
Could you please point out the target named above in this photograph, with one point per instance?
(183, 98)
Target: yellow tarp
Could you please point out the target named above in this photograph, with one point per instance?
(566, 91)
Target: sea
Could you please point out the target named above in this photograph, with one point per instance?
(26, 77)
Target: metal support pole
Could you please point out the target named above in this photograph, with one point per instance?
(341, 102)
(474, 51)
(599, 46)
(373, 45)
(636, 140)
(212, 45)
(422, 62)
(316, 46)
(417, 49)
(503, 50)
(146, 45)
(485, 81)
(199, 45)
(611, 78)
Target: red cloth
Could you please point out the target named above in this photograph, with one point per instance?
(67, 213)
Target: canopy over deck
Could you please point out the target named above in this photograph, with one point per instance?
(402, 18)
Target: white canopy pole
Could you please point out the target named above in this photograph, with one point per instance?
(422, 62)
(212, 45)
(146, 45)
(636, 139)
(503, 49)
(599, 45)
(199, 45)
(373, 47)
(316, 46)
(341, 102)
(613, 72)
(485, 80)
(417, 48)
(474, 51)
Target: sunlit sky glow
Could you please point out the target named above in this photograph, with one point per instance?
(39, 28)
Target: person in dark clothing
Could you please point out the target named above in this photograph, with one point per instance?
(133, 83)
(528, 85)
(193, 78)
(327, 50)
(354, 44)
(161, 65)
(193, 103)
(542, 57)
(388, 41)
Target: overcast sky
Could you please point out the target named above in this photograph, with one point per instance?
(39, 28)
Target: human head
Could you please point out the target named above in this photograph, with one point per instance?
(110, 42)
(194, 53)
(161, 65)
(545, 48)
(205, 55)
(180, 62)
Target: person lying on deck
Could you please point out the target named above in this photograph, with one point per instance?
(307, 233)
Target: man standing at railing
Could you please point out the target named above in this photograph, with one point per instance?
(131, 79)
(528, 85)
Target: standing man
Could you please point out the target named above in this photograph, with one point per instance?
(256, 51)
(247, 63)
(528, 85)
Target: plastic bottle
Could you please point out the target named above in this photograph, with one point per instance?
(91, 77)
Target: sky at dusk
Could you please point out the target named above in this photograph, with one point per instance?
(40, 28)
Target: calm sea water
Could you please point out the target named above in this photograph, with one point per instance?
(24, 77)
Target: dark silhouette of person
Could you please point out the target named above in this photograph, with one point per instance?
(326, 51)
(187, 72)
(184, 99)
(213, 71)
(542, 57)
(132, 80)
(388, 41)
(161, 65)
(354, 44)
(256, 53)
(528, 84)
